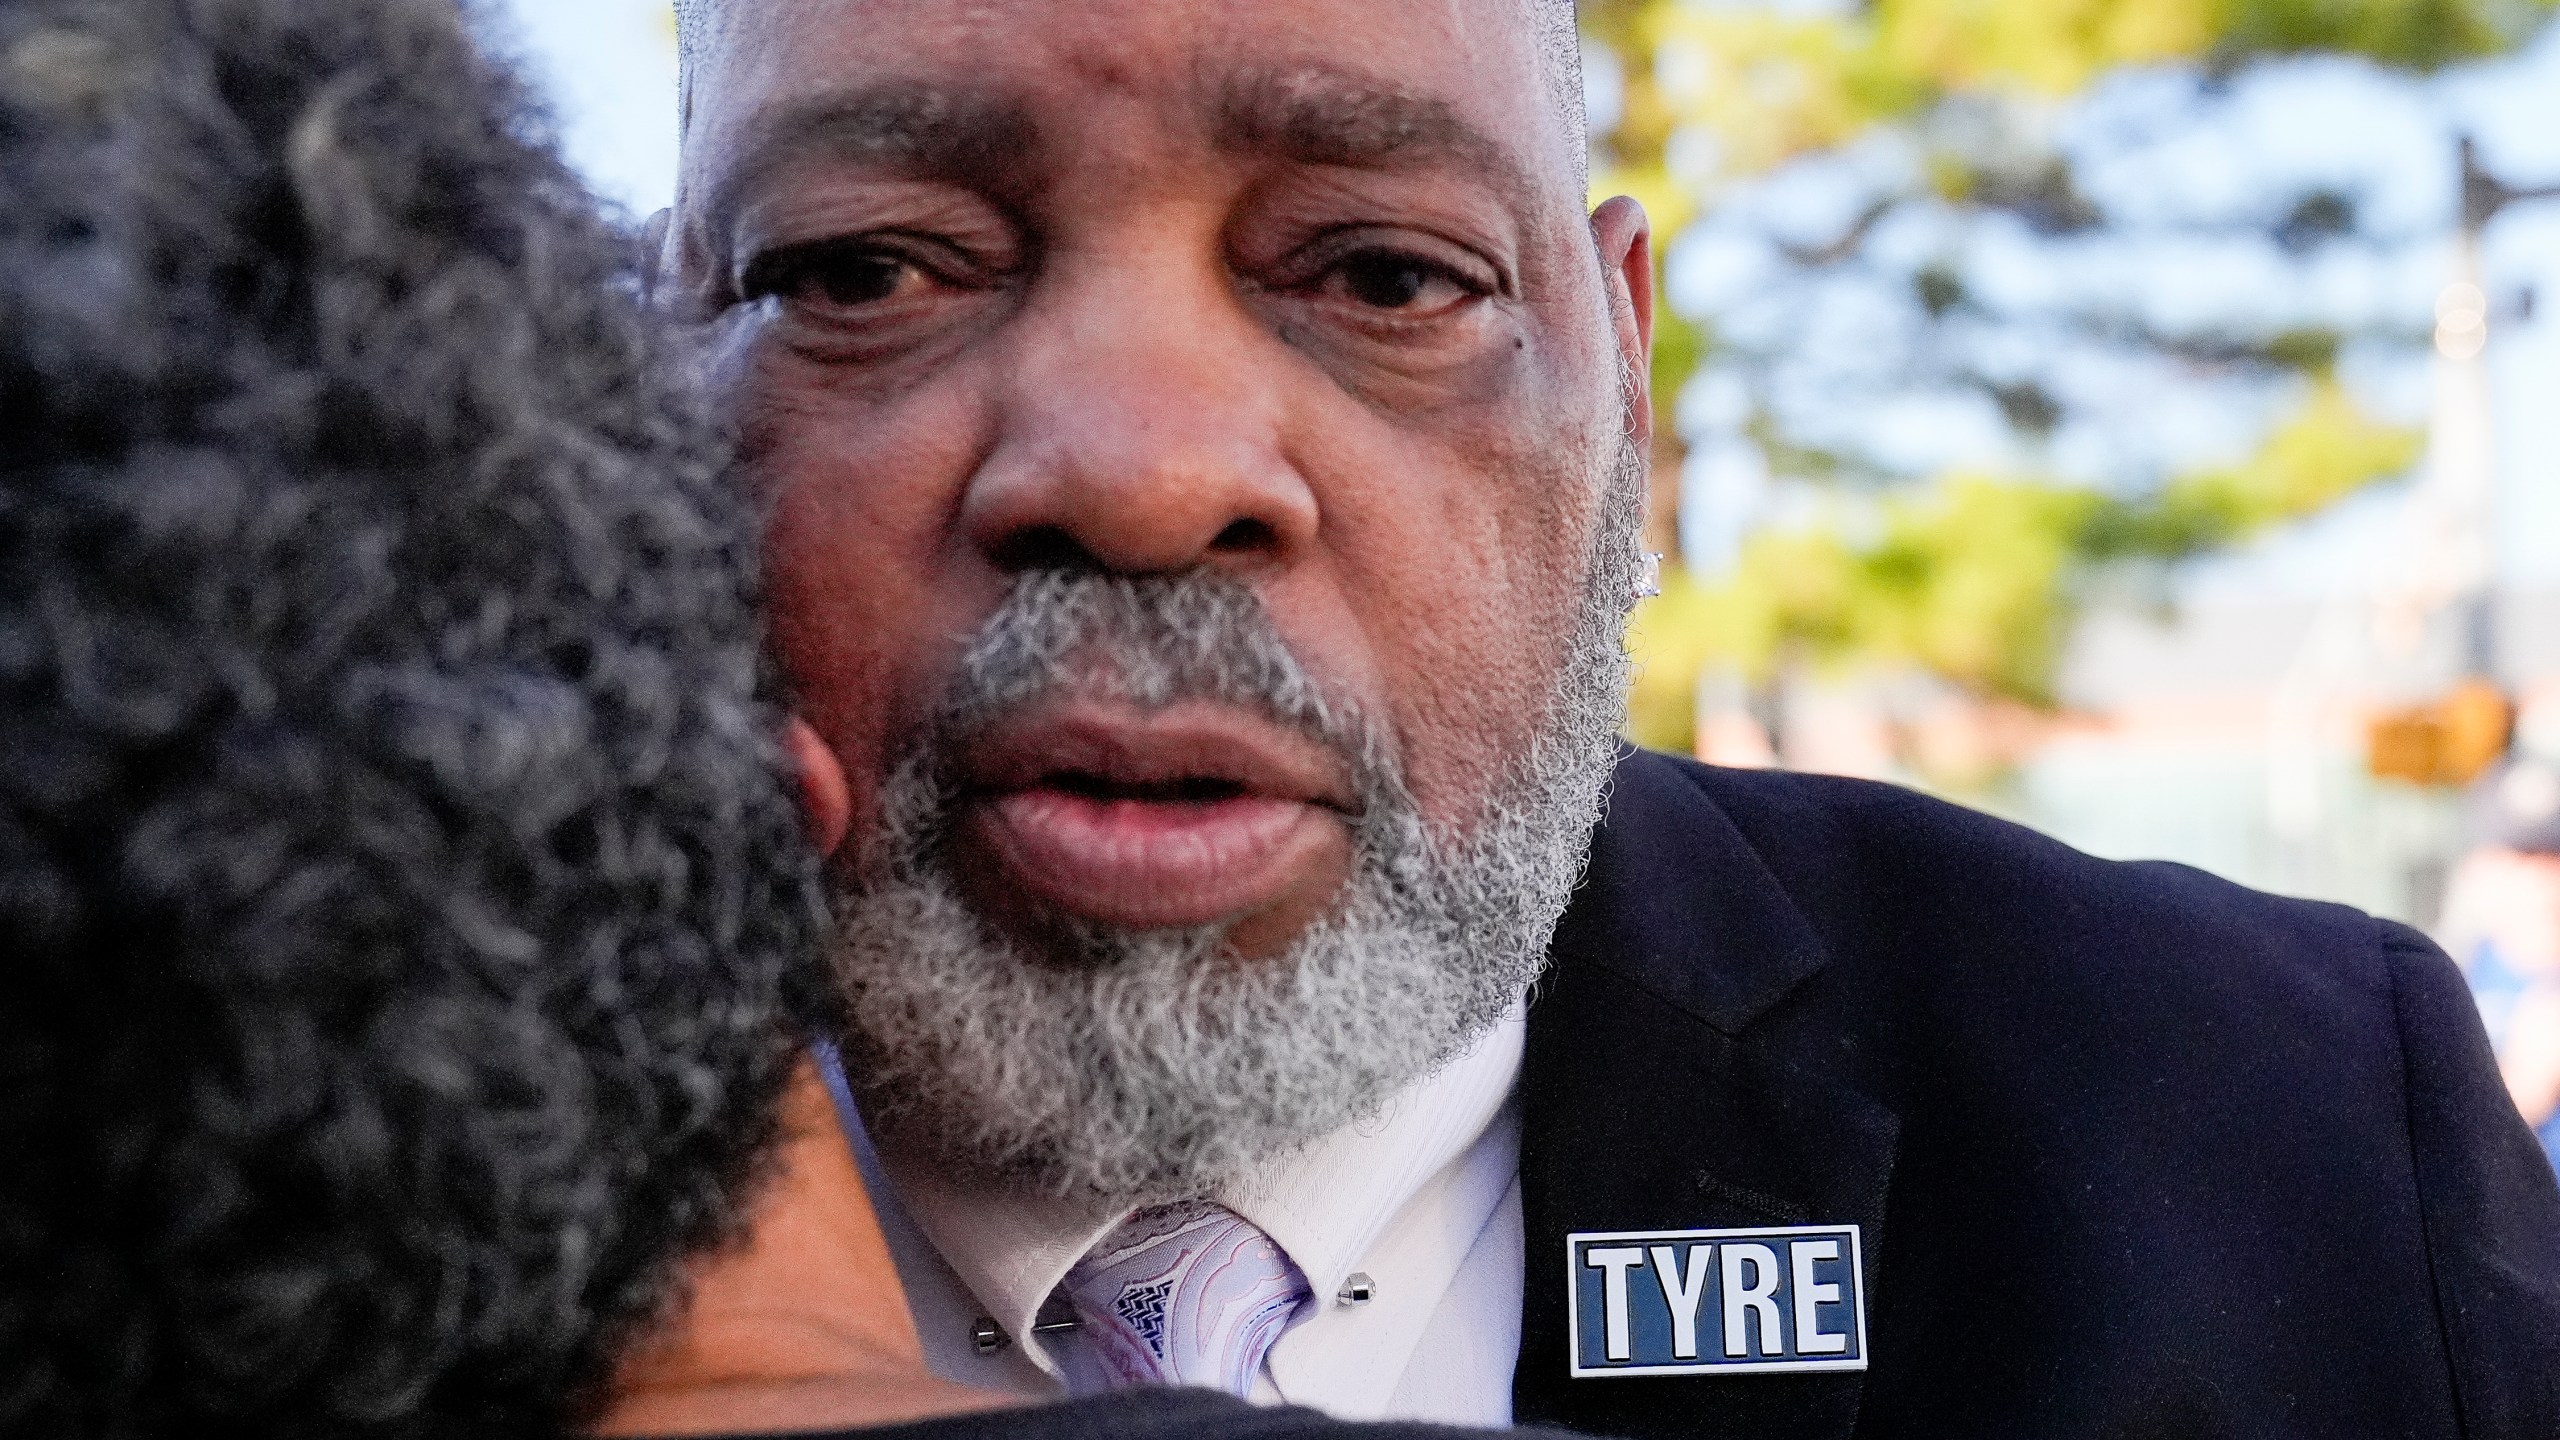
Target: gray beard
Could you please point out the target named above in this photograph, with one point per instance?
(1147, 1066)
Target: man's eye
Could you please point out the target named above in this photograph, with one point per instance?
(1386, 281)
(836, 277)
(856, 279)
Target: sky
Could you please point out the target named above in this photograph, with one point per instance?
(609, 68)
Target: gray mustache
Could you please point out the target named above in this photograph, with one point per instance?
(1150, 641)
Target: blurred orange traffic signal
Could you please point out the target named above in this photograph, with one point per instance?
(2451, 741)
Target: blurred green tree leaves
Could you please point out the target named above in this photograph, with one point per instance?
(1975, 578)
(1771, 84)
(1972, 577)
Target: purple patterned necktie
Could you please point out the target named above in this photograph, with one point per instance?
(1188, 1294)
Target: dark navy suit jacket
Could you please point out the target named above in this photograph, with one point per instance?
(2135, 1152)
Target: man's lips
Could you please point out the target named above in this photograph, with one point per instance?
(1193, 815)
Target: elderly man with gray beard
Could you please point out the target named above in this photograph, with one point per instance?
(1202, 445)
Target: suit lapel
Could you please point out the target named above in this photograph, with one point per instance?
(1664, 1088)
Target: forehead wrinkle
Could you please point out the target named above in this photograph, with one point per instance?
(1317, 115)
(926, 131)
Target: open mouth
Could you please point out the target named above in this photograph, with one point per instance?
(1192, 816)
(1178, 790)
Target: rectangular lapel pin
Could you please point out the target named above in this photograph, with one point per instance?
(1716, 1302)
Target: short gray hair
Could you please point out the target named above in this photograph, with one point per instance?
(1559, 41)
(1559, 37)
(694, 22)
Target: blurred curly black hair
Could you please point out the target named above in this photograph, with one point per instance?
(404, 914)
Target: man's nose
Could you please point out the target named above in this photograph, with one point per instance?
(1141, 436)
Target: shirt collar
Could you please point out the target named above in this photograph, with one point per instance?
(1324, 1205)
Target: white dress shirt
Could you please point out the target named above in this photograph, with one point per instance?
(1423, 1198)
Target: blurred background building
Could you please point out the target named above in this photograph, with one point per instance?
(2135, 417)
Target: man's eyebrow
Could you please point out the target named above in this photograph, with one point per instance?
(1321, 116)
(926, 131)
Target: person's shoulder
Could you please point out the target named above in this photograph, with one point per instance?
(2088, 1060)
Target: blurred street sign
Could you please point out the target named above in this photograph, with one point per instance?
(2452, 741)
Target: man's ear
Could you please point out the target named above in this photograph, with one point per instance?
(825, 799)
(1625, 239)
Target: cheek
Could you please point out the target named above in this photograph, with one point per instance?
(1463, 536)
(866, 585)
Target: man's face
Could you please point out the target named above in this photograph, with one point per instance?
(1299, 295)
